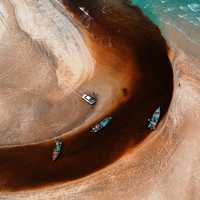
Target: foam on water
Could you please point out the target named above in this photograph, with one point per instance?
(184, 15)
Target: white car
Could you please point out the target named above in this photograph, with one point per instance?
(89, 99)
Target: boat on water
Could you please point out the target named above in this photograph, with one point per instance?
(101, 125)
(153, 121)
(57, 150)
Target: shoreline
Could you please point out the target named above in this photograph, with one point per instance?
(112, 163)
(175, 40)
(137, 70)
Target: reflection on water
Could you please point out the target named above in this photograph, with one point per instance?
(183, 14)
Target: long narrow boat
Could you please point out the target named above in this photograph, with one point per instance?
(154, 119)
(57, 150)
(101, 125)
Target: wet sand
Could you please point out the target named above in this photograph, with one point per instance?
(131, 74)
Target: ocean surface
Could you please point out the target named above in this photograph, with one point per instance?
(183, 15)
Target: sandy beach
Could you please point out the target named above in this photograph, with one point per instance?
(126, 61)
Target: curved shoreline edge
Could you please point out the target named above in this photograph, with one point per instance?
(145, 54)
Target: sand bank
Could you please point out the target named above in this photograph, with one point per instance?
(125, 162)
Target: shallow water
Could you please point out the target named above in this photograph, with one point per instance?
(184, 15)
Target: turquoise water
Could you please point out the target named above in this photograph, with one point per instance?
(184, 15)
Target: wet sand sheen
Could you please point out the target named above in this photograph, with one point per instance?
(131, 56)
